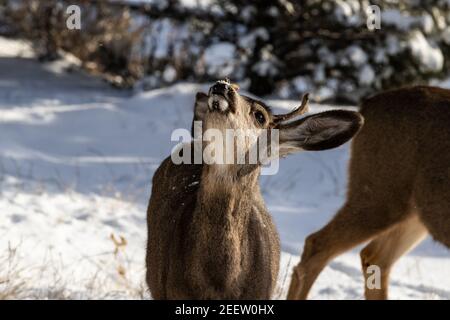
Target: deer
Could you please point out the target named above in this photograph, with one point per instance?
(398, 188)
(210, 235)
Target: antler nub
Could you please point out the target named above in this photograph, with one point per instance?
(303, 108)
(235, 86)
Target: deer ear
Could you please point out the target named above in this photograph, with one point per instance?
(320, 131)
(201, 106)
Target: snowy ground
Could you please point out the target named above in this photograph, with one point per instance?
(76, 161)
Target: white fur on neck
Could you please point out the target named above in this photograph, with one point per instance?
(219, 100)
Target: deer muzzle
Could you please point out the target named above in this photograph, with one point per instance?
(221, 97)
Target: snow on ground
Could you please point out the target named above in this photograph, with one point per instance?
(76, 161)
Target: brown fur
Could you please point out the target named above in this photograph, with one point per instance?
(209, 233)
(399, 186)
(209, 241)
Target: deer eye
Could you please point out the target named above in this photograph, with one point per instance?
(259, 116)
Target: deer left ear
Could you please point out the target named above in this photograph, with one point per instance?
(320, 131)
(201, 106)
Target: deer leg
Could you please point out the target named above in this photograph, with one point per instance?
(433, 202)
(386, 249)
(351, 226)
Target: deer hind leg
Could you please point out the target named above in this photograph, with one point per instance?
(385, 250)
(433, 200)
(351, 226)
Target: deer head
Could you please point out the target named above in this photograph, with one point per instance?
(223, 108)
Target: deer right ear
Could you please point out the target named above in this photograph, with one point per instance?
(201, 106)
(319, 131)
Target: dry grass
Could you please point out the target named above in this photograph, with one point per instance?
(12, 280)
(51, 279)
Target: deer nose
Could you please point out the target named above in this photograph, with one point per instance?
(220, 87)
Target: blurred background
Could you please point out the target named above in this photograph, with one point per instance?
(86, 117)
(281, 48)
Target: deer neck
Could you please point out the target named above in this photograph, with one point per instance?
(223, 192)
(220, 226)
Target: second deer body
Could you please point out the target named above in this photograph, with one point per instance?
(398, 190)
